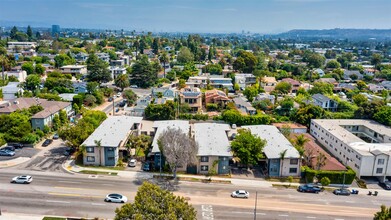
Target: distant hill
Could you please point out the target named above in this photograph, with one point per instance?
(353, 34)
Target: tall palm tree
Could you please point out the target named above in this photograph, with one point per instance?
(282, 157)
(99, 146)
(164, 59)
(301, 140)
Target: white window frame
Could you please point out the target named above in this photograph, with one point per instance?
(90, 159)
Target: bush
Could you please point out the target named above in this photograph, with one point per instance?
(335, 177)
(325, 181)
(234, 117)
(211, 107)
(197, 117)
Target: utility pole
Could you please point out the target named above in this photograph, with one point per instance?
(255, 208)
(113, 105)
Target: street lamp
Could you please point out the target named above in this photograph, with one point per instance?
(255, 208)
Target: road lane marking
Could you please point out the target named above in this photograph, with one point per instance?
(339, 219)
(63, 181)
(249, 213)
(63, 187)
(207, 212)
(100, 204)
(73, 195)
(56, 201)
(283, 215)
(108, 184)
(311, 217)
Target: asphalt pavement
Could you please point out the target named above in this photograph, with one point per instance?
(82, 195)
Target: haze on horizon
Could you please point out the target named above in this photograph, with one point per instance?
(260, 16)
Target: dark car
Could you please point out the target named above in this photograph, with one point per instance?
(146, 167)
(343, 192)
(110, 99)
(308, 188)
(386, 185)
(9, 148)
(47, 142)
(7, 153)
(16, 145)
(55, 136)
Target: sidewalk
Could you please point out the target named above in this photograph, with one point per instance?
(14, 216)
(13, 162)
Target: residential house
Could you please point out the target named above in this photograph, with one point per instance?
(14, 46)
(103, 56)
(80, 87)
(265, 96)
(117, 71)
(371, 97)
(328, 80)
(363, 145)
(324, 102)
(48, 68)
(386, 84)
(167, 93)
(294, 83)
(42, 118)
(244, 106)
(74, 69)
(347, 74)
(113, 135)
(245, 79)
(149, 53)
(215, 82)
(295, 128)
(276, 144)
(12, 91)
(81, 57)
(375, 88)
(139, 109)
(118, 63)
(192, 97)
(21, 75)
(216, 97)
(214, 150)
(320, 72)
(268, 83)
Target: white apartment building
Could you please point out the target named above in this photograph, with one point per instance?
(74, 69)
(363, 145)
(21, 45)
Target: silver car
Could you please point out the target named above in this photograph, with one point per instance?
(22, 179)
(240, 194)
(117, 198)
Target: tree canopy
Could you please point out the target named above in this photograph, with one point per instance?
(97, 70)
(151, 202)
(144, 73)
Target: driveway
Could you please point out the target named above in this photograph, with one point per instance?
(49, 159)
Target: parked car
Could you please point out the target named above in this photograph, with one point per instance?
(386, 185)
(308, 188)
(7, 153)
(119, 94)
(55, 136)
(22, 179)
(110, 99)
(343, 192)
(16, 145)
(146, 167)
(10, 148)
(240, 194)
(118, 198)
(132, 163)
(47, 142)
(69, 151)
(133, 86)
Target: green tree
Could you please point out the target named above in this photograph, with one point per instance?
(63, 117)
(62, 60)
(143, 73)
(32, 82)
(185, 55)
(151, 202)
(164, 111)
(56, 122)
(97, 70)
(247, 147)
(122, 81)
(282, 158)
(213, 69)
(155, 45)
(245, 62)
(376, 59)
(251, 92)
(383, 115)
(360, 99)
(130, 96)
(283, 88)
(39, 69)
(28, 67)
(29, 32)
(308, 112)
(13, 32)
(315, 60)
(164, 59)
(325, 181)
(322, 88)
(333, 64)
(383, 214)
(139, 142)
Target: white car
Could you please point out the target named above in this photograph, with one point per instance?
(132, 163)
(240, 194)
(119, 94)
(118, 198)
(22, 179)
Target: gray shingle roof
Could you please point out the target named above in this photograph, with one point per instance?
(276, 142)
(112, 131)
(321, 97)
(212, 139)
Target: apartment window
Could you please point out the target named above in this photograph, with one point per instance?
(204, 159)
(90, 159)
(380, 162)
(294, 161)
(110, 158)
(335, 149)
(379, 170)
(111, 149)
(204, 168)
(90, 149)
(292, 170)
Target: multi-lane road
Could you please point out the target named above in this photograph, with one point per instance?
(82, 195)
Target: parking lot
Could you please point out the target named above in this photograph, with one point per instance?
(23, 152)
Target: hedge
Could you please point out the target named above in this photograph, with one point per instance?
(234, 117)
(336, 177)
(197, 117)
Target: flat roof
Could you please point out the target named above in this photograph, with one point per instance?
(74, 66)
(276, 142)
(334, 126)
(163, 125)
(212, 139)
(112, 131)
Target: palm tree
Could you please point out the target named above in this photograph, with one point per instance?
(282, 157)
(81, 150)
(383, 214)
(320, 160)
(122, 81)
(164, 59)
(140, 142)
(301, 140)
(99, 146)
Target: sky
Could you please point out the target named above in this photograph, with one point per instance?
(214, 16)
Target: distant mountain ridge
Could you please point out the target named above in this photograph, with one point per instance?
(357, 34)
